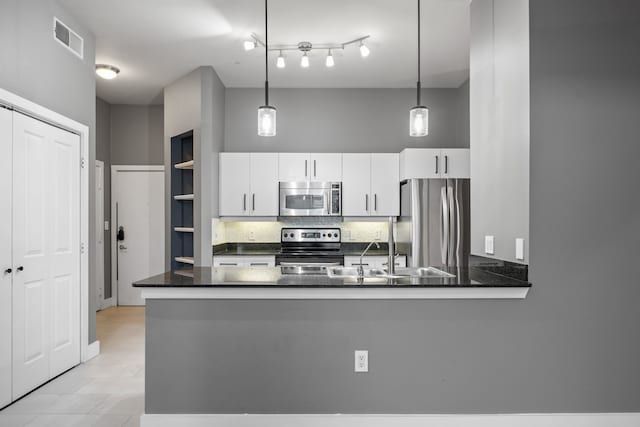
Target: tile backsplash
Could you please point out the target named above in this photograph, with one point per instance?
(269, 231)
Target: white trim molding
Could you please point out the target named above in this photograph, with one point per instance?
(374, 420)
(397, 293)
(92, 351)
(37, 111)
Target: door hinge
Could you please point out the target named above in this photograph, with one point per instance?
(82, 248)
(82, 162)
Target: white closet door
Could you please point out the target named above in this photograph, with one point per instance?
(30, 259)
(6, 162)
(63, 222)
(46, 257)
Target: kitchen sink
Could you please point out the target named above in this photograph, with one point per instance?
(352, 272)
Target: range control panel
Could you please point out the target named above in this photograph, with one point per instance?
(299, 235)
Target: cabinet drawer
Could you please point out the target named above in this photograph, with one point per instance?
(244, 260)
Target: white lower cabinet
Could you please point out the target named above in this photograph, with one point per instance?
(41, 254)
(374, 261)
(244, 260)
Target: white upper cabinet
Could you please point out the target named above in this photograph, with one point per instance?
(325, 167)
(235, 183)
(248, 184)
(356, 184)
(434, 163)
(385, 184)
(293, 167)
(310, 167)
(370, 184)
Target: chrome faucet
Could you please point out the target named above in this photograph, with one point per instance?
(360, 269)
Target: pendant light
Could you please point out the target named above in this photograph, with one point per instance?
(418, 115)
(266, 113)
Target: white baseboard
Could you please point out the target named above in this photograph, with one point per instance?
(374, 420)
(92, 351)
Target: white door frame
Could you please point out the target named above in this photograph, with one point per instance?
(115, 169)
(101, 303)
(17, 103)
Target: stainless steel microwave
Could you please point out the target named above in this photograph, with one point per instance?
(310, 198)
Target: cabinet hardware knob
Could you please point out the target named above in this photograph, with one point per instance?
(8, 271)
(21, 268)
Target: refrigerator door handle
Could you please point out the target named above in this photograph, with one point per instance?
(451, 201)
(444, 225)
(458, 224)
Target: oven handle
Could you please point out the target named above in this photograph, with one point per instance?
(309, 264)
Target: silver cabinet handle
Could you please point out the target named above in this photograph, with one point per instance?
(244, 202)
(437, 164)
(314, 168)
(366, 202)
(375, 202)
(229, 263)
(253, 201)
(305, 168)
(265, 264)
(446, 164)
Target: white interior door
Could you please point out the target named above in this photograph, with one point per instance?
(138, 194)
(6, 266)
(46, 252)
(99, 230)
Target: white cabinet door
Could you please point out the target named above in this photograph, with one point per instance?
(325, 167)
(6, 266)
(293, 167)
(63, 221)
(264, 184)
(356, 184)
(235, 184)
(385, 184)
(455, 163)
(31, 262)
(420, 163)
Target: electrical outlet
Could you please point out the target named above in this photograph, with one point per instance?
(488, 244)
(252, 236)
(361, 361)
(520, 249)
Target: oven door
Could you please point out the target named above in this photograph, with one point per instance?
(305, 201)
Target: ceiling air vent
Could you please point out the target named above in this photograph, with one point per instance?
(68, 38)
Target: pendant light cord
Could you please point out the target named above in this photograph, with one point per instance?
(266, 56)
(418, 85)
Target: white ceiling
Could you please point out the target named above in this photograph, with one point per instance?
(155, 42)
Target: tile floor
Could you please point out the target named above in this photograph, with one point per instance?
(107, 391)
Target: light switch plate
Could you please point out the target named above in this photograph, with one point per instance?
(106, 226)
(520, 249)
(361, 361)
(488, 245)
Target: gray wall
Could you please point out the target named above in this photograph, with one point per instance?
(571, 346)
(345, 120)
(103, 152)
(195, 102)
(137, 134)
(39, 69)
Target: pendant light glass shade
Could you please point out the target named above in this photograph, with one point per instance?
(266, 121)
(419, 121)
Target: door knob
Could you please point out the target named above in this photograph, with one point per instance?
(8, 271)
(21, 268)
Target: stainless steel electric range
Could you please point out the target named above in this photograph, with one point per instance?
(309, 250)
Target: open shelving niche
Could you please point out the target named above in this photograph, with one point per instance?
(182, 195)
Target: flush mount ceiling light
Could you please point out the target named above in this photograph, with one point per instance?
(418, 115)
(306, 47)
(266, 113)
(107, 72)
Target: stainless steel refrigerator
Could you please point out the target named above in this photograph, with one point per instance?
(433, 227)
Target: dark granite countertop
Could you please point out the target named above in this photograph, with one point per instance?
(346, 249)
(267, 277)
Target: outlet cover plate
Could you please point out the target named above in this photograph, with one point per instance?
(488, 245)
(361, 361)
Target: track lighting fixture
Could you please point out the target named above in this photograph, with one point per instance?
(329, 62)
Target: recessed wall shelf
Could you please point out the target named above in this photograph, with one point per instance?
(183, 229)
(184, 165)
(183, 197)
(182, 191)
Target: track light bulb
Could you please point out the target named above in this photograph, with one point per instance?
(280, 61)
(364, 50)
(330, 62)
(249, 45)
(304, 62)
